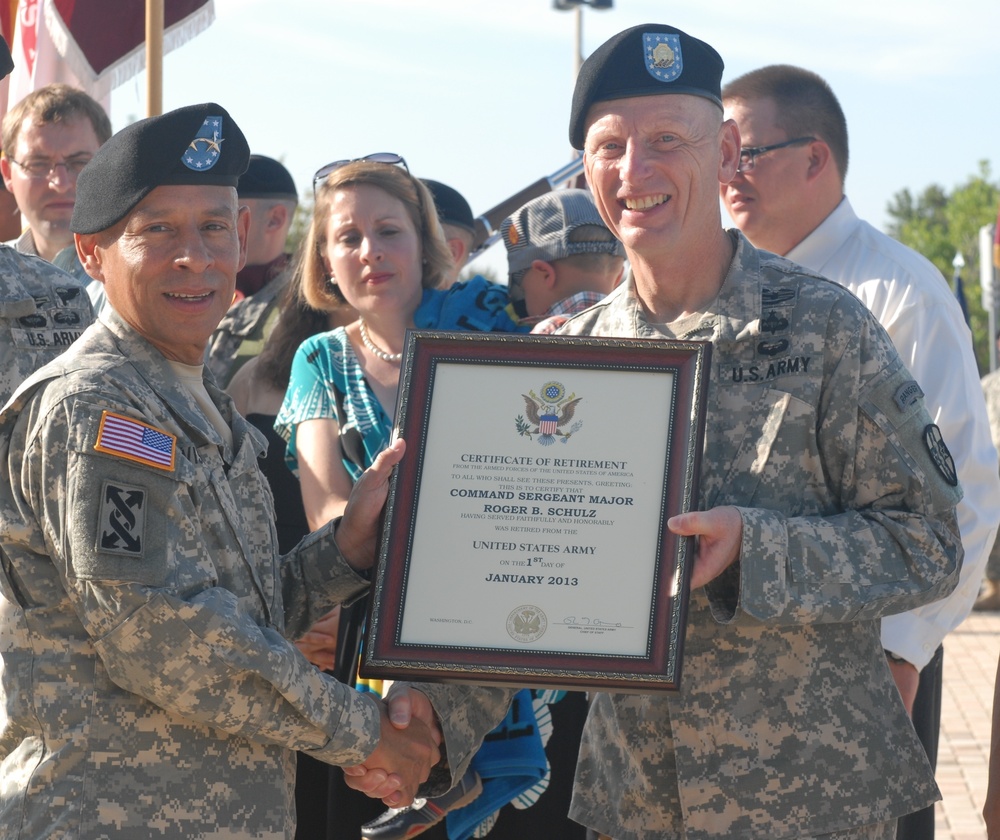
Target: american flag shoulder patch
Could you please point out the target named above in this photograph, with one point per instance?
(137, 441)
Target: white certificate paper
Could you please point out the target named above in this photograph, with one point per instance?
(547, 494)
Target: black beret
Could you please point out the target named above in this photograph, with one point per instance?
(266, 178)
(645, 60)
(452, 208)
(200, 145)
(6, 62)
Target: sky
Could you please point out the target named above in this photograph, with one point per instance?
(477, 93)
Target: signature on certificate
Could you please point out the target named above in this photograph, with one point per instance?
(590, 622)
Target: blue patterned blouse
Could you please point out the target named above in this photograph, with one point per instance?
(327, 380)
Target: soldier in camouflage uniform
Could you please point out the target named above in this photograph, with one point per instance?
(827, 498)
(43, 311)
(149, 684)
(244, 329)
(268, 190)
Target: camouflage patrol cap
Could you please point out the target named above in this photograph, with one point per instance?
(199, 145)
(645, 60)
(551, 227)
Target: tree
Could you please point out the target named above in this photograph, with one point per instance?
(939, 225)
(300, 224)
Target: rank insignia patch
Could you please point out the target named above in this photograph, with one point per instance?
(940, 455)
(135, 441)
(203, 152)
(122, 519)
(663, 57)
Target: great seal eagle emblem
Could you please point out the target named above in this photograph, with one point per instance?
(548, 413)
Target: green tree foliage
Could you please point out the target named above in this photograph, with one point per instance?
(300, 224)
(939, 225)
(487, 271)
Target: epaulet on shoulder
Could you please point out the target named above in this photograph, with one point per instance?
(30, 261)
(787, 271)
(71, 375)
(786, 267)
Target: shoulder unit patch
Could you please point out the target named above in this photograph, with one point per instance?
(940, 455)
(122, 519)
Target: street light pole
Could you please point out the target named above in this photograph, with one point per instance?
(578, 30)
(988, 284)
(576, 6)
(957, 288)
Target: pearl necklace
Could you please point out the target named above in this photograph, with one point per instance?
(377, 351)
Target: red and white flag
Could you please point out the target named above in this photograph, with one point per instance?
(94, 45)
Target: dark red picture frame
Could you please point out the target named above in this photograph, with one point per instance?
(386, 656)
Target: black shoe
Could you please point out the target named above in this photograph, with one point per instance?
(401, 823)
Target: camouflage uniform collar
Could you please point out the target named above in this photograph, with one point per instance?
(243, 316)
(252, 279)
(726, 315)
(740, 293)
(16, 299)
(155, 369)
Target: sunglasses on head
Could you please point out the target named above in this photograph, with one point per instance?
(379, 157)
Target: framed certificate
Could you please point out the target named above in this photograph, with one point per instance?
(524, 541)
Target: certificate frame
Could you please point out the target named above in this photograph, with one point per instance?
(424, 561)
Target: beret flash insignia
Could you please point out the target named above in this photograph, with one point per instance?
(203, 152)
(663, 57)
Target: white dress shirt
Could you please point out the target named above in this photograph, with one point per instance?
(916, 306)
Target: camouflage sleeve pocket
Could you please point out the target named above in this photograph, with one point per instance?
(895, 403)
(120, 498)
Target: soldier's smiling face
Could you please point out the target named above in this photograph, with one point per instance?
(169, 268)
(654, 164)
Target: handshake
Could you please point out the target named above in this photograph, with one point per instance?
(410, 742)
(409, 746)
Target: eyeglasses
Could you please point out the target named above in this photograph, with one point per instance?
(749, 154)
(379, 157)
(47, 168)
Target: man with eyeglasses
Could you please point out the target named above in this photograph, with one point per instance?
(826, 498)
(788, 198)
(42, 310)
(48, 137)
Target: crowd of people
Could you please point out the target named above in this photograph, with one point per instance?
(197, 442)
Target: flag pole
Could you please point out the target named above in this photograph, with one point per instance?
(154, 57)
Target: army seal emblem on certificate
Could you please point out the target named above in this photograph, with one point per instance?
(527, 624)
